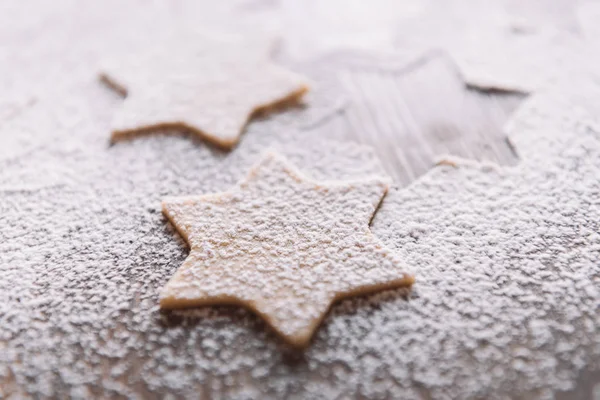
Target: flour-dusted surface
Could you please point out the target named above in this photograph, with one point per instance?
(84, 250)
(505, 44)
(282, 245)
(316, 27)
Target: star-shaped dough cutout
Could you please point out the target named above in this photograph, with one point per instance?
(283, 246)
(197, 83)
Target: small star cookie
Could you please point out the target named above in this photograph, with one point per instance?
(281, 245)
(192, 81)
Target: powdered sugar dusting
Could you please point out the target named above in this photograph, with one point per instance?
(506, 298)
(316, 27)
(549, 119)
(497, 45)
(506, 303)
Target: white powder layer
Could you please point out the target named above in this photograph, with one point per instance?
(506, 299)
(588, 14)
(314, 27)
(506, 44)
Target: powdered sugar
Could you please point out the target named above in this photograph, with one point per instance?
(313, 28)
(497, 45)
(505, 305)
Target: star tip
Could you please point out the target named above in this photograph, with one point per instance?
(305, 87)
(267, 159)
(118, 134)
(229, 146)
(114, 138)
(168, 300)
(164, 206)
(298, 341)
(162, 303)
(299, 344)
(386, 182)
(450, 161)
(298, 338)
(227, 143)
(105, 79)
(165, 303)
(271, 154)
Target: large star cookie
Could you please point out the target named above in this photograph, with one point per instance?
(282, 245)
(210, 87)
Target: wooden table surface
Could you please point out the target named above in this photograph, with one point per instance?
(415, 115)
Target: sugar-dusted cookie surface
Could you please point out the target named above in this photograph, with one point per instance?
(282, 245)
(192, 80)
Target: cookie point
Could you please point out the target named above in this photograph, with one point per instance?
(272, 155)
(165, 302)
(299, 340)
(409, 280)
(303, 89)
(386, 183)
(165, 204)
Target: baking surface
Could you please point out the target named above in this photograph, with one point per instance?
(506, 303)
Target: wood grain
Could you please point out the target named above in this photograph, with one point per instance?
(414, 116)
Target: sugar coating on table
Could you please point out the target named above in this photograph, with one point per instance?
(82, 263)
(509, 256)
(282, 245)
(194, 81)
(563, 111)
(65, 43)
(504, 45)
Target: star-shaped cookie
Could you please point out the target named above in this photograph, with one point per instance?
(281, 245)
(209, 86)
